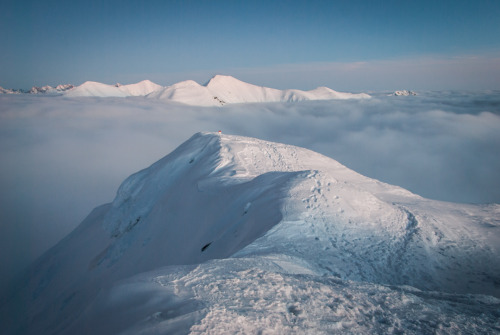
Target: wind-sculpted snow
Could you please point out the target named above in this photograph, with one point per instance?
(274, 295)
(262, 236)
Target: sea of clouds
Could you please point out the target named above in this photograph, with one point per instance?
(62, 157)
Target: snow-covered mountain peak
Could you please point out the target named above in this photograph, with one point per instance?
(91, 83)
(141, 88)
(220, 79)
(232, 90)
(185, 83)
(96, 89)
(242, 208)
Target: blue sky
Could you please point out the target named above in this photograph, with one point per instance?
(355, 45)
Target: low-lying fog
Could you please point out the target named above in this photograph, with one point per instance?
(62, 157)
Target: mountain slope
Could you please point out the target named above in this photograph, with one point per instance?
(232, 90)
(95, 89)
(221, 90)
(141, 88)
(187, 92)
(263, 213)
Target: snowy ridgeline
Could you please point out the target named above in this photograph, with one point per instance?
(231, 234)
(222, 90)
(219, 91)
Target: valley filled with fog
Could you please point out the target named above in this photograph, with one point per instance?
(61, 157)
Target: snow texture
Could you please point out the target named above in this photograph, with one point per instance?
(231, 234)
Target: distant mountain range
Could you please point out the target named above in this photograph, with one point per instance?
(95, 89)
(37, 90)
(220, 90)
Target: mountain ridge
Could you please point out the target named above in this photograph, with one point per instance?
(218, 91)
(230, 198)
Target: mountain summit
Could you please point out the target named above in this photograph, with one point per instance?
(226, 221)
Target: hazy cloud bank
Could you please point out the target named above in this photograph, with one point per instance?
(62, 157)
(433, 72)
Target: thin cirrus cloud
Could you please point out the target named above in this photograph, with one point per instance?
(465, 72)
(62, 157)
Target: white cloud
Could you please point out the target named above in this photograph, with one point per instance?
(434, 72)
(62, 157)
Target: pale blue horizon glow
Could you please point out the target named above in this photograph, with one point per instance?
(346, 45)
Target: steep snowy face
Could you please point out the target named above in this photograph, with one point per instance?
(188, 207)
(197, 202)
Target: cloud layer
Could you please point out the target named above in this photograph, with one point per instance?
(432, 72)
(62, 157)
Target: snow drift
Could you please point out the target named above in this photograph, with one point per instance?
(232, 228)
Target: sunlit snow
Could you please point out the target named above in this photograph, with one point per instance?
(220, 90)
